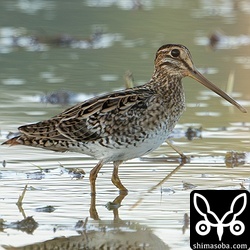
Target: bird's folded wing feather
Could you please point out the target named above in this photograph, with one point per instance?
(83, 122)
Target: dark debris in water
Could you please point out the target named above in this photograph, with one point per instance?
(218, 40)
(167, 190)
(191, 133)
(20, 38)
(81, 225)
(187, 185)
(61, 97)
(66, 40)
(4, 163)
(27, 225)
(46, 209)
(38, 175)
(186, 222)
(1, 225)
(77, 173)
(235, 159)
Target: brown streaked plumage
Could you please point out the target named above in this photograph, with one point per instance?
(124, 124)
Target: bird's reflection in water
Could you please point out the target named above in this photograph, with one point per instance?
(106, 234)
(114, 206)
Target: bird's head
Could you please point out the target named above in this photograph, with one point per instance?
(176, 61)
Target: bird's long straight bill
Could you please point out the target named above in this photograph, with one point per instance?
(200, 78)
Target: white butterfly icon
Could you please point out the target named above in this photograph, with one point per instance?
(203, 227)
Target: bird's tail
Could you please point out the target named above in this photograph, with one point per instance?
(44, 143)
(13, 141)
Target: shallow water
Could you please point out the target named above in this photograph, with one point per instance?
(85, 48)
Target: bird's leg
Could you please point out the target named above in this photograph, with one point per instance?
(93, 175)
(115, 178)
(177, 150)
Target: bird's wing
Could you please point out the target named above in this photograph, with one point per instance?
(84, 121)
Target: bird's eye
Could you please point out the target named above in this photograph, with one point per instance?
(175, 53)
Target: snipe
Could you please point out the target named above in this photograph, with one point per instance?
(124, 124)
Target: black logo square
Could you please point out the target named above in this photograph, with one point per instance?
(220, 219)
